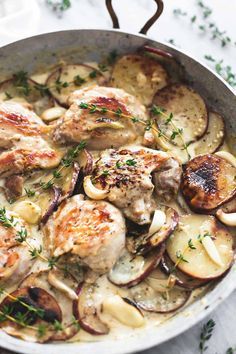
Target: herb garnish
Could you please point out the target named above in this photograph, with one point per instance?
(78, 80)
(206, 334)
(224, 71)
(149, 125)
(176, 132)
(20, 81)
(66, 161)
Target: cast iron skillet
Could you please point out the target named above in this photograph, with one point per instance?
(76, 46)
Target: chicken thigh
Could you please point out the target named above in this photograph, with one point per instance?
(22, 133)
(110, 119)
(126, 174)
(92, 232)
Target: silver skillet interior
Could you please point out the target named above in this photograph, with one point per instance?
(75, 46)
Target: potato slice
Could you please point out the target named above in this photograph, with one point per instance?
(188, 109)
(208, 181)
(213, 138)
(37, 298)
(181, 279)
(140, 76)
(197, 262)
(28, 94)
(155, 295)
(130, 270)
(68, 78)
(85, 310)
(62, 292)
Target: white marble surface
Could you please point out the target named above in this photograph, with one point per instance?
(133, 14)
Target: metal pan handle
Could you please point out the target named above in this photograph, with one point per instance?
(147, 25)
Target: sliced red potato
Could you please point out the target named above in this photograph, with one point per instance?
(62, 286)
(188, 113)
(211, 254)
(208, 181)
(130, 270)
(68, 78)
(213, 138)
(86, 312)
(157, 51)
(153, 238)
(157, 294)
(140, 76)
(48, 312)
(181, 279)
(28, 94)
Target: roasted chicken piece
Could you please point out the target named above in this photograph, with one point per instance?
(208, 181)
(126, 175)
(23, 133)
(86, 231)
(15, 259)
(167, 179)
(102, 123)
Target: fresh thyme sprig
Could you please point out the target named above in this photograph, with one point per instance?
(206, 334)
(21, 237)
(224, 71)
(22, 320)
(230, 350)
(155, 110)
(65, 162)
(59, 6)
(38, 311)
(149, 125)
(207, 26)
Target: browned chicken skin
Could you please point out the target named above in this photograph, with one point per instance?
(127, 175)
(96, 128)
(21, 132)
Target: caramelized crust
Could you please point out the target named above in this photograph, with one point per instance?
(96, 127)
(207, 182)
(21, 132)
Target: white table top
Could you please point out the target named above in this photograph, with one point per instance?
(132, 15)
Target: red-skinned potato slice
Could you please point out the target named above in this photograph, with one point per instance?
(62, 286)
(213, 138)
(198, 262)
(38, 298)
(208, 181)
(146, 242)
(155, 295)
(140, 76)
(157, 51)
(36, 99)
(181, 279)
(86, 312)
(130, 270)
(77, 76)
(188, 110)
